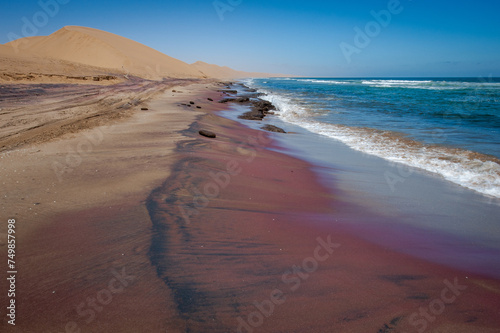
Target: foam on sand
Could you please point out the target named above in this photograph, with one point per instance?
(469, 169)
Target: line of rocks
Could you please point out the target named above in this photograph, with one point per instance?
(259, 108)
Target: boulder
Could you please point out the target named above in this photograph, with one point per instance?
(207, 134)
(272, 128)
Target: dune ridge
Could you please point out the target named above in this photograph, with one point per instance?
(75, 50)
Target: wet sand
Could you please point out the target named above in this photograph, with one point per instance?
(238, 242)
(157, 230)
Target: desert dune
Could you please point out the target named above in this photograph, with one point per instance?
(102, 49)
(80, 51)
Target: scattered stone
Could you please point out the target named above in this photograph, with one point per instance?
(272, 128)
(211, 100)
(198, 107)
(208, 134)
(144, 109)
(191, 102)
(174, 90)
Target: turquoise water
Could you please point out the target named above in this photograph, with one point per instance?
(447, 126)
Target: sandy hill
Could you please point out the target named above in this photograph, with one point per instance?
(98, 48)
(74, 51)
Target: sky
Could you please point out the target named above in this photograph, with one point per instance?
(362, 38)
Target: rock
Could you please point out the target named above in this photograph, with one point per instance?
(144, 109)
(174, 90)
(198, 107)
(252, 115)
(264, 105)
(208, 134)
(211, 100)
(228, 91)
(260, 109)
(272, 128)
(191, 102)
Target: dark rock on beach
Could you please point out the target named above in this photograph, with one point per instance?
(252, 116)
(228, 91)
(272, 128)
(260, 109)
(264, 106)
(208, 134)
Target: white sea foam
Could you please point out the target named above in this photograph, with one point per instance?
(429, 85)
(326, 81)
(466, 168)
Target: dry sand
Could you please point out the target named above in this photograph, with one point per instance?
(79, 203)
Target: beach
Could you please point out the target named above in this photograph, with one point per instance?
(136, 223)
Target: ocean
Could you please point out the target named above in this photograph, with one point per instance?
(448, 126)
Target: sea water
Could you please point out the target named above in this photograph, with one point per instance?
(448, 126)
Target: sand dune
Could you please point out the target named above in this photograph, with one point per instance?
(75, 50)
(102, 49)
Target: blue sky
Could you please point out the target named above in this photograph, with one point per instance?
(422, 38)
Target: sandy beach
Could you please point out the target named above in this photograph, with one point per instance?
(136, 223)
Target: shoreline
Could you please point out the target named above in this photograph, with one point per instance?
(192, 244)
(408, 209)
(466, 156)
(251, 238)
